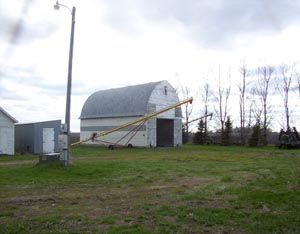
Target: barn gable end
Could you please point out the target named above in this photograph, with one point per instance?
(107, 109)
(7, 133)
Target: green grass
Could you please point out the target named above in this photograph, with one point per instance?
(191, 189)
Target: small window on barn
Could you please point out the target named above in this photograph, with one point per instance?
(166, 90)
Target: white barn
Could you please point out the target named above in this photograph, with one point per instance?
(107, 109)
(7, 133)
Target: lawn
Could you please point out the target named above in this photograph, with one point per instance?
(190, 189)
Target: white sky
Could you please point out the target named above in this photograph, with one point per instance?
(128, 42)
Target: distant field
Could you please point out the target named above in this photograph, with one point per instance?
(191, 189)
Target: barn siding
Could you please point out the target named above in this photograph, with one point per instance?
(90, 126)
(112, 138)
(151, 133)
(164, 95)
(24, 138)
(177, 132)
(7, 131)
(163, 100)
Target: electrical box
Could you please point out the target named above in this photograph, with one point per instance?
(63, 142)
(64, 128)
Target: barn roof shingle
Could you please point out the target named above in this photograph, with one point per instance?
(118, 102)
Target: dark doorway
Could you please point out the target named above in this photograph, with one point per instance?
(165, 132)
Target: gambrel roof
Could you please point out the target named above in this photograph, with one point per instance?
(119, 102)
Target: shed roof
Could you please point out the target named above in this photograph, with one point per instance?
(117, 102)
(8, 115)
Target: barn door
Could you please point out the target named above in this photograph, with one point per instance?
(4, 140)
(165, 132)
(48, 140)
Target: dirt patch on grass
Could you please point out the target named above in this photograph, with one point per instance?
(97, 208)
(19, 162)
(98, 202)
(187, 182)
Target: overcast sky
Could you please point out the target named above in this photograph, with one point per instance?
(128, 42)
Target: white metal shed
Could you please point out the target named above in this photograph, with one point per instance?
(107, 109)
(7, 133)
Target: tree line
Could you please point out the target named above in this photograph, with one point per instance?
(250, 100)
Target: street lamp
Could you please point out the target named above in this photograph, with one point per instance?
(69, 85)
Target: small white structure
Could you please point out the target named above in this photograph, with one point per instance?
(7, 133)
(107, 109)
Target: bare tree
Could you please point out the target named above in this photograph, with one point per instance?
(187, 111)
(265, 75)
(250, 111)
(257, 111)
(221, 97)
(205, 97)
(242, 102)
(298, 83)
(255, 116)
(284, 86)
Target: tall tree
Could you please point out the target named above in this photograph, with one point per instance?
(265, 75)
(257, 111)
(221, 97)
(187, 111)
(206, 93)
(242, 86)
(298, 83)
(284, 86)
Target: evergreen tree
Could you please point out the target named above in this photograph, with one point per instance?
(200, 135)
(226, 133)
(185, 135)
(206, 137)
(255, 136)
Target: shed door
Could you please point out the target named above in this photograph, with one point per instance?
(165, 132)
(48, 140)
(4, 140)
